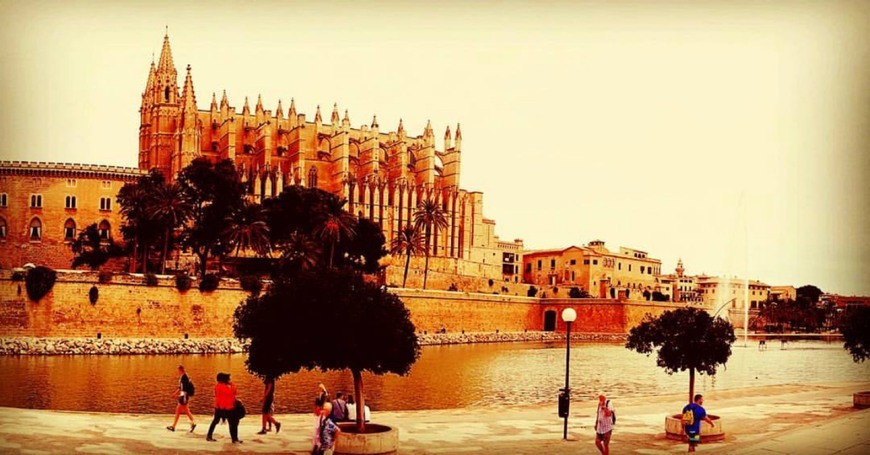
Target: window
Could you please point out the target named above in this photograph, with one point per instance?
(35, 230)
(312, 177)
(36, 201)
(573, 262)
(539, 264)
(572, 275)
(2, 229)
(642, 269)
(629, 267)
(105, 203)
(595, 262)
(70, 202)
(586, 262)
(104, 229)
(552, 263)
(106, 184)
(619, 265)
(2, 199)
(528, 267)
(69, 230)
(71, 183)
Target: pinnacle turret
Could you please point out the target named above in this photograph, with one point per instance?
(279, 111)
(259, 107)
(188, 96)
(224, 101)
(374, 121)
(246, 110)
(214, 104)
(166, 63)
(317, 116)
(334, 119)
(292, 112)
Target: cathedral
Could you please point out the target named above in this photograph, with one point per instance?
(383, 175)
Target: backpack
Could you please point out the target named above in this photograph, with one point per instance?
(688, 416)
(191, 389)
(612, 413)
(240, 410)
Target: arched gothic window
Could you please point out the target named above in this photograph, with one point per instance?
(166, 94)
(2, 229)
(35, 230)
(69, 229)
(312, 177)
(105, 230)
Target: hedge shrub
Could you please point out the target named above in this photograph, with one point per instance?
(150, 279)
(252, 284)
(39, 281)
(182, 282)
(209, 282)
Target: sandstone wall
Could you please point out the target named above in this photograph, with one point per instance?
(126, 308)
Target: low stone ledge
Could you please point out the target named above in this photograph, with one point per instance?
(674, 428)
(378, 439)
(431, 339)
(119, 346)
(861, 400)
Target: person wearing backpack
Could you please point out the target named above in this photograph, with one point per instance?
(693, 414)
(183, 393)
(605, 418)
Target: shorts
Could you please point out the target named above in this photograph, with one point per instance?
(694, 438)
(604, 437)
(183, 400)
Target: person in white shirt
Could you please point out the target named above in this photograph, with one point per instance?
(351, 410)
(603, 424)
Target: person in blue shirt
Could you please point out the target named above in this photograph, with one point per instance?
(693, 431)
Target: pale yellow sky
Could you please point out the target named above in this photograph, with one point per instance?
(640, 123)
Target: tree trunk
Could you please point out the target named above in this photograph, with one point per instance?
(359, 397)
(144, 259)
(331, 252)
(691, 385)
(202, 258)
(135, 253)
(407, 264)
(426, 270)
(165, 252)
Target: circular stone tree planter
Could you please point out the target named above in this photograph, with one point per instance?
(674, 428)
(378, 439)
(861, 400)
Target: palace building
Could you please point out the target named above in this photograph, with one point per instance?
(382, 173)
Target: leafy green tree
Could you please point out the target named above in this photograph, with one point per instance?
(810, 293)
(685, 339)
(247, 229)
(215, 192)
(659, 297)
(139, 230)
(408, 242)
(577, 293)
(169, 206)
(91, 250)
(855, 327)
(365, 249)
(287, 328)
(430, 217)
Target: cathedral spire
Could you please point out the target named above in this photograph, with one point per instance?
(259, 107)
(458, 132)
(401, 129)
(214, 104)
(448, 141)
(317, 116)
(428, 131)
(374, 121)
(292, 112)
(334, 119)
(152, 78)
(279, 112)
(166, 63)
(188, 97)
(346, 118)
(246, 110)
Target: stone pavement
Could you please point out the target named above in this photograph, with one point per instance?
(792, 419)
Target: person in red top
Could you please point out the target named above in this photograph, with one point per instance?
(224, 405)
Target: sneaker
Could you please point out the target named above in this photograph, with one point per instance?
(277, 427)
(262, 432)
(170, 428)
(209, 438)
(239, 441)
(192, 427)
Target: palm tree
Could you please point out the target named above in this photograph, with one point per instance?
(337, 225)
(170, 206)
(302, 250)
(408, 242)
(247, 229)
(431, 216)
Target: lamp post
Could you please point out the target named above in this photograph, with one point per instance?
(569, 316)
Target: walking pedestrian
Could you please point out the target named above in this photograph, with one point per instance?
(605, 418)
(693, 414)
(327, 432)
(268, 401)
(183, 393)
(224, 407)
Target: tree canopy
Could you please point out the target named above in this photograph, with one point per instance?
(855, 327)
(90, 249)
(685, 339)
(289, 327)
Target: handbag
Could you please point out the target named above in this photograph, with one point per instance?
(239, 409)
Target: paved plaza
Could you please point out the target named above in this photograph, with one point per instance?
(792, 419)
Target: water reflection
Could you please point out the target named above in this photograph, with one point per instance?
(444, 377)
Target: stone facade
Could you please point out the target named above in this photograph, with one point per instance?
(44, 205)
(592, 268)
(384, 175)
